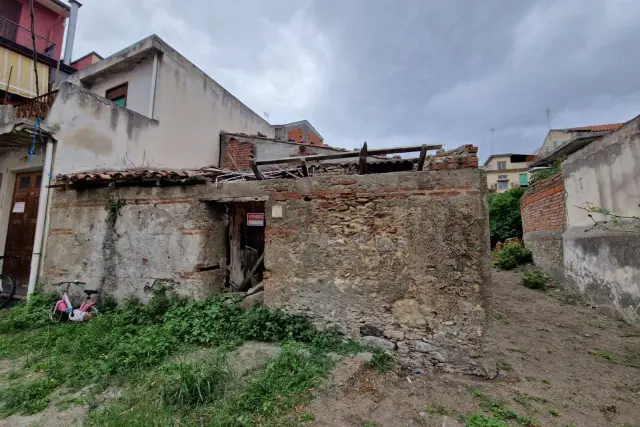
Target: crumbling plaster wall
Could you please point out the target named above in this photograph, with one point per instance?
(398, 259)
(604, 264)
(161, 235)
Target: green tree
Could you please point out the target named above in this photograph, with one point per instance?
(504, 215)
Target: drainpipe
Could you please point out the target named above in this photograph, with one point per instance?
(154, 78)
(71, 31)
(42, 214)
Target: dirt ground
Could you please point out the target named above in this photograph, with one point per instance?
(577, 368)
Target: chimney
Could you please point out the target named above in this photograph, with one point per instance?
(71, 31)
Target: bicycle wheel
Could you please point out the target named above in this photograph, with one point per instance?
(57, 315)
(7, 289)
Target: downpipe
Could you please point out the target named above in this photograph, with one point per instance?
(40, 221)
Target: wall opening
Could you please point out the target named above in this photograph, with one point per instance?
(245, 245)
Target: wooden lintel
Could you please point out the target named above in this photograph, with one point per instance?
(305, 169)
(256, 171)
(423, 156)
(362, 166)
(348, 154)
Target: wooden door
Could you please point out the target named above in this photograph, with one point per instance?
(22, 226)
(246, 242)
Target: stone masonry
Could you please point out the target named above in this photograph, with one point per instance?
(396, 259)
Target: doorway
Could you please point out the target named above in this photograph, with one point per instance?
(245, 249)
(22, 228)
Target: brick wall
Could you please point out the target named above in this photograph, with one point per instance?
(543, 207)
(237, 154)
(543, 221)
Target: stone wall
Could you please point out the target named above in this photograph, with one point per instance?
(161, 235)
(398, 259)
(543, 221)
(604, 262)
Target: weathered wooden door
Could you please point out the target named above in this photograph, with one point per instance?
(22, 227)
(246, 241)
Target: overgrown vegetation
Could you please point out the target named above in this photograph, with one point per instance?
(133, 344)
(504, 215)
(511, 255)
(535, 279)
(543, 174)
(113, 206)
(499, 411)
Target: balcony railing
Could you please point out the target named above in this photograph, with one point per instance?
(36, 108)
(17, 34)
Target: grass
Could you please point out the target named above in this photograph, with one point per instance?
(499, 411)
(601, 354)
(132, 348)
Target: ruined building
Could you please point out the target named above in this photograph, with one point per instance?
(130, 197)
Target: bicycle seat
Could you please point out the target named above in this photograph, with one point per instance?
(90, 292)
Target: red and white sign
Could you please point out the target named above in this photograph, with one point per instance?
(255, 219)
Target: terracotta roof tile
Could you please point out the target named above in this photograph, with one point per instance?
(598, 128)
(138, 175)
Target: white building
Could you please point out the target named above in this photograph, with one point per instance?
(144, 107)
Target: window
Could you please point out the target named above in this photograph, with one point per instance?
(524, 180)
(502, 165)
(118, 94)
(503, 185)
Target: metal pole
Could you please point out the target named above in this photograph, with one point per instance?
(40, 221)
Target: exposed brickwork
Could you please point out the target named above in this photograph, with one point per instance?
(543, 221)
(238, 154)
(465, 157)
(543, 206)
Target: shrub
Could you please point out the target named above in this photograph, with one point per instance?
(504, 215)
(543, 174)
(535, 280)
(510, 256)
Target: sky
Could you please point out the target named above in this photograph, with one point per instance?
(401, 72)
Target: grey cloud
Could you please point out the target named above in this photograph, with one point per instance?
(402, 72)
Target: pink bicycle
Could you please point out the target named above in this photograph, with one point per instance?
(62, 310)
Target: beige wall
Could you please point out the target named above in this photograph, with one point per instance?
(138, 82)
(190, 110)
(493, 164)
(555, 137)
(513, 177)
(604, 262)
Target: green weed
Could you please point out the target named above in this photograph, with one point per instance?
(480, 420)
(498, 410)
(382, 361)
(187, 384)
(603, 355)
(370, 424)
(130, 340)
(535, 279)
(554, 412)
(26, 398)
(511, 256)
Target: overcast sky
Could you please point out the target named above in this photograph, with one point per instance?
(399, 72)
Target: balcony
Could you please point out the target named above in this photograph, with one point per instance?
(36, 108)
(13, 32)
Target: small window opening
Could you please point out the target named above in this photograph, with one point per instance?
(118, 94)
